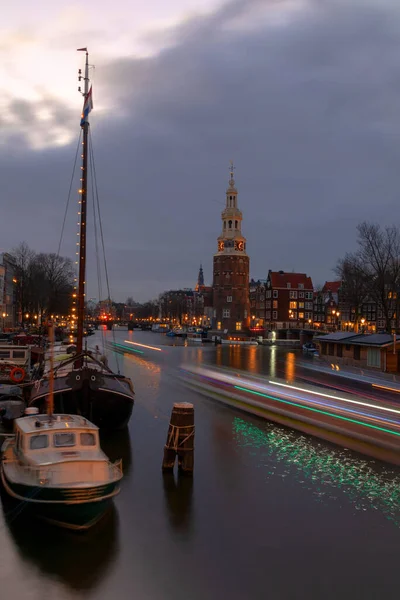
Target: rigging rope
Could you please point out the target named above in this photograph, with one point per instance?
(101, 234)
(69, 193)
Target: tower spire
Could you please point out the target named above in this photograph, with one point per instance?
(200, 279)
(231, 174)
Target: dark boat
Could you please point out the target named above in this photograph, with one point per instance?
(83, 383)
(91, 390)
(55, 466)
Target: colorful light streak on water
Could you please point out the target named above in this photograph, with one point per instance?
(143, 346)
(322, 470)
(322, 412)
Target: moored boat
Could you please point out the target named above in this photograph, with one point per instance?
(83, 382)
(55, 465)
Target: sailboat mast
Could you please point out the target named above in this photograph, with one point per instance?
(83, 211)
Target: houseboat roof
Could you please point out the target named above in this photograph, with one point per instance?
(31, 423)
(377, 340)
(338, 336)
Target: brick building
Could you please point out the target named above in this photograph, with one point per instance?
(289, 300)
(231, 306)
(257, 304)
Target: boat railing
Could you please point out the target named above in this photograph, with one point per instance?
(47, 475)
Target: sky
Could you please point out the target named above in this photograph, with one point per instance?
(303, 96)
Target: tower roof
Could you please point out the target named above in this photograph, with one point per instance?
(200, 278)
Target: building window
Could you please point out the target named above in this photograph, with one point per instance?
(292, 314)
(374, 357)
(293, 295)
(301, 286)
(301, 304)
(293, 305)
(268, 294)
(274, 314)
(268, 315)
(301, 315)
(275, 293)
(245, 314)
(230, 224)
(236, 224)
(309, 295)
(238, 325)
(229, 298)
(288, 285)
(274, 303)
(301, 294)
(309, 305)
(224, 224)
(226, 313)
(219, 325)
(268, 304)
(308, 315)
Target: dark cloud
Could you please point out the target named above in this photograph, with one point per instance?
(304, 101)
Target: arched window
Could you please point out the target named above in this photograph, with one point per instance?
(230, 224)
(224, 224)
(236, 224)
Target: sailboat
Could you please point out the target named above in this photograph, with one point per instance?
(84, 384)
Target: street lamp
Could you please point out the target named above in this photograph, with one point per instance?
(4, 316)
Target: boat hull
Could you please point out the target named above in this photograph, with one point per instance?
(105, 401)
(72, 508)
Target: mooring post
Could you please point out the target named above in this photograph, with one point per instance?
(180, 438)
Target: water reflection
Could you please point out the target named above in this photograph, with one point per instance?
(117, 444)
(290, 366)
(178, 491)
(80, 560)
(324, 470)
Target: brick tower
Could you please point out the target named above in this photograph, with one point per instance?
(231, 269)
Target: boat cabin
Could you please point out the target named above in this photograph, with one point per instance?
(16, 355)
(61, 437)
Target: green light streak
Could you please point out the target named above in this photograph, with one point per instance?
(126, 349)
(316, 410)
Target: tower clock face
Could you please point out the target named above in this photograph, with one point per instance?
(220, 246)
(239, 246)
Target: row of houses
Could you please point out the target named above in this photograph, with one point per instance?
(289, 300)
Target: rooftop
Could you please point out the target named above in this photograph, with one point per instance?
(58, 423)
(332, 286)
(280, 279)
(362, 339)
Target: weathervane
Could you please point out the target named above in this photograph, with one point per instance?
(231, 172)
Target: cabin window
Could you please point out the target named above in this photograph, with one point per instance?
(62, 440)
(38, 442)
(19, 354)
(5, 354)
(88, 439)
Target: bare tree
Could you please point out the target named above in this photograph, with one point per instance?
(372, 273)
(354, 289)
(379, 255)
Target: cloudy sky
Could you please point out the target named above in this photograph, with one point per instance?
(303, 95)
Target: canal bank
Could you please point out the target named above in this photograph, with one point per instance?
(265, 502)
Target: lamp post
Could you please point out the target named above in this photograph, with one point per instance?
(4, 316)
(362, 324)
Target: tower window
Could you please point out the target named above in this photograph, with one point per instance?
(224, 224)
(236, 224)
(230, 224)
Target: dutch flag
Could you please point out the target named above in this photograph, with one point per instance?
(87, 107)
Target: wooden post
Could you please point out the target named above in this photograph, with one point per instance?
(180, 438)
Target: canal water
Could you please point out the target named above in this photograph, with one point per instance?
(269, 513)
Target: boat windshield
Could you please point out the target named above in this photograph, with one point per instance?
(37, 442)
(62, 440)
(88, 439)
